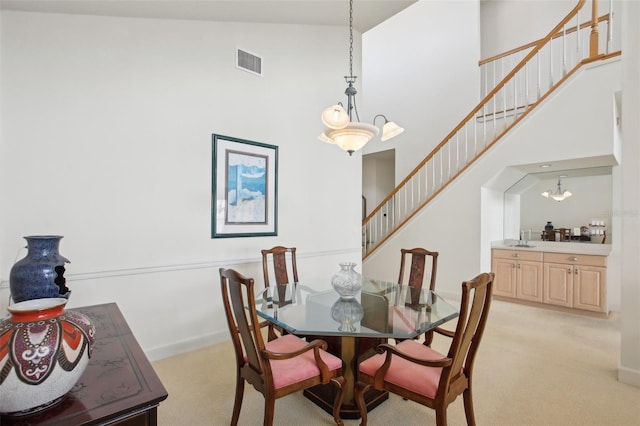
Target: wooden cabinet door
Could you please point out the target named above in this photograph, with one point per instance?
(589, 288)
(529, 281)
(504, 283)
(558, 284)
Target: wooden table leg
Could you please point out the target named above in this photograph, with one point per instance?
(349, 349)
(348, 356)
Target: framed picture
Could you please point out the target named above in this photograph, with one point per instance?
(244, 188)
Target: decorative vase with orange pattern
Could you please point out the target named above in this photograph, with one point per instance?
(44, 349)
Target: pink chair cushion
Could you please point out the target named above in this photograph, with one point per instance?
(406, 374)
(294, 370)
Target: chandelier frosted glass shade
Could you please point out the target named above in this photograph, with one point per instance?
(390, 130)
(335, 117)
(352, 137)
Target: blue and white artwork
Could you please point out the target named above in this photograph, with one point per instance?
(246, 188)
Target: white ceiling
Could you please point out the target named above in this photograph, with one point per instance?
(366, 13)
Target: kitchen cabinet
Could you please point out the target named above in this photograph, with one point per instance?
(565, 280)
(518, 274)
(575, 281)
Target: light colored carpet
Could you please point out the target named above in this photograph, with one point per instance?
(534, 367)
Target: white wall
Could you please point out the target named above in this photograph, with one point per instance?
(629, 370)
(107, 141)
(508, 24)
(420, 69)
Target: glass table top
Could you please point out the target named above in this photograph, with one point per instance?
(381, 309)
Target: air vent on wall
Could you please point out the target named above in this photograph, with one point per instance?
(249, 62)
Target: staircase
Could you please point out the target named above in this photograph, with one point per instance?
(511, 93)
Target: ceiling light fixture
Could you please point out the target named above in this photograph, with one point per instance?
(341, 129)
(559, 195)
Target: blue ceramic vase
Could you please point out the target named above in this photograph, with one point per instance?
(40, 274)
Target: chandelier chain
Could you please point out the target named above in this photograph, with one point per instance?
(350, 38)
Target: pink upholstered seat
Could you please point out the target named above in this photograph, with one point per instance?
(294, 370)
(404, 373)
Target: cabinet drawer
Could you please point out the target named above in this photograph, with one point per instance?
(575, 259)
(533, 256)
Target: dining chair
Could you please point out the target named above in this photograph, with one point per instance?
(415, 371)
(418, 267)
(277, 263)
(278, 367)
(416, 271)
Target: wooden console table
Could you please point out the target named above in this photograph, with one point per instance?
(119, 386)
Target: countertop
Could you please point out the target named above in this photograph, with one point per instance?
(574, 247)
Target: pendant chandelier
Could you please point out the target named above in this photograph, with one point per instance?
(341, 129)
(559, 195)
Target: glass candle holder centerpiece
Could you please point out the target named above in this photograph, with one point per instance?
(347, 282)
(348, 312)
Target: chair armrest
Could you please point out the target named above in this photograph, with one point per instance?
(313, 345)
(265, 323)
(444, 332)
(392, 350)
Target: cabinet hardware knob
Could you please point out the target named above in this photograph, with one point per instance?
(569, 270)
(573, 258)
(515, 255)
(576, 271)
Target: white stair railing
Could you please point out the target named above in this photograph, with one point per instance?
(548, 63)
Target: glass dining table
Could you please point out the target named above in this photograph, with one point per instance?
(353, 327)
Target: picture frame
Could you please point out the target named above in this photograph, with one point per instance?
(244, 200)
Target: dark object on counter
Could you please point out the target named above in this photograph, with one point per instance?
(548, 234)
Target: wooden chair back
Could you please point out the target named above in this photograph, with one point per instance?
(474, 311)
(242, 318)
(418, 268)
(563, 233)
(423, 263)
(283, 261)
(278, 264)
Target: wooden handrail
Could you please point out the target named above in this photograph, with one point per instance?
(573, 29)
(478, 107)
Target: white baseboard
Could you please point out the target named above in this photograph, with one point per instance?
(629, 376)
(189, 345)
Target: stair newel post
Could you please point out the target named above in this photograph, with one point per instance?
(593, 40)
